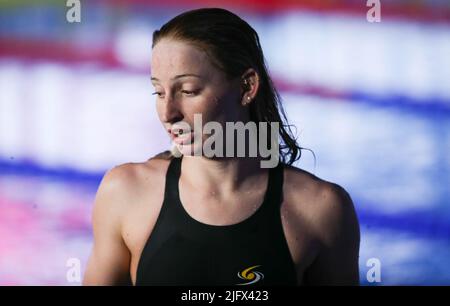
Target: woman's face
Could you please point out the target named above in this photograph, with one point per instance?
(187, 83)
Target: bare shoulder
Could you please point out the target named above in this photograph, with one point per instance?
(125, 185)
(323, 212)
(126, 179)
(325, 206)
(118, 201)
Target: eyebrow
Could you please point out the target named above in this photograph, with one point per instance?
(180, 76)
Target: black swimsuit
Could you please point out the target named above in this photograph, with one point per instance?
(183, 251)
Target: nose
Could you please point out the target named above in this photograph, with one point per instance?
(170, 112)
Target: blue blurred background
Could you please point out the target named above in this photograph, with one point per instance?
(371, 99)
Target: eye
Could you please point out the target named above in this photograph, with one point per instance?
(189, 92)
(158, 94)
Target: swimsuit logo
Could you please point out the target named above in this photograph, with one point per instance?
(250, 276)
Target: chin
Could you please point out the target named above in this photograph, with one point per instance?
(188, 149)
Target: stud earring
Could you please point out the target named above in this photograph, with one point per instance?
(247, 102)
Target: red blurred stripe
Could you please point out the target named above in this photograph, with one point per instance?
(55, 51)
(62, 52)
(414, 10)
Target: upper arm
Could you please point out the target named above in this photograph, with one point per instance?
(338, 231)
(109, 261)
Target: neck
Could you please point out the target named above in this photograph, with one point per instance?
(221, 176)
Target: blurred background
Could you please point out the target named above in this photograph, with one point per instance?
(372, 100)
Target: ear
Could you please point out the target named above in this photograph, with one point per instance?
(250, 86)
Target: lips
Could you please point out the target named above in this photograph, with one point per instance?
(180, 139)
(184, 138)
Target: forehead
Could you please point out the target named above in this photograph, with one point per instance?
(172, 57)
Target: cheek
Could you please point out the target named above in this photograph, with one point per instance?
(207, 105)
(221, 108)
(212, 109)
(228, 106)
